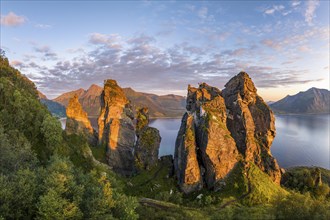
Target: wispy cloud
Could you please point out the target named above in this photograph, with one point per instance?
(311, 7)
(275, 8)
(304, 48)
(111, 40)
(45, 51)
(295, 3)
(43, 26)
(140, 60)
(298, 41)
(11, 19)
(202, 12)
(272, 44)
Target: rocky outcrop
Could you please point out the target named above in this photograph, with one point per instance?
(148, 141)
(89, 99)
(116, 128)
(219, 129)
(77, 121)
(252, 124)
(65, 98)
(186, 164)
(214, 153)
(317, 177)
(142, 119)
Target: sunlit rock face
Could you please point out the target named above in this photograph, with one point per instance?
(215, 149)
(77, 121)
(187, 169)
(148, 141)
(252, 124)
(219, 128)
(116, 128)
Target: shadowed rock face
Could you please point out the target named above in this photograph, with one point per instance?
(148, 141)
(219, 127)
(116, 128)
(77, 121)
(251, 123)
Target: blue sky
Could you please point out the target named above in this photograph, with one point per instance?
(162, 46)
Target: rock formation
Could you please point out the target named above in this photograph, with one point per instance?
(218, 129)
(186, 163)
(251, 123)
(116, 128)
(142, 119)
(211, 150)
(148, 141)
(317, 177)
(89, 99)
(77, 121)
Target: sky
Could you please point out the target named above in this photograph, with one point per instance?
(162, 46)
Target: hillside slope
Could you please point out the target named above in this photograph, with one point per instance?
(311, 101)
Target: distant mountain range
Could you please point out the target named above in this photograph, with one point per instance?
(159, 106)
(312, 101)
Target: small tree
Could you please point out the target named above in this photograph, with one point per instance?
(52, 132)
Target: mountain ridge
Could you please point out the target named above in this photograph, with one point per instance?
(159, 106)
(311, 101)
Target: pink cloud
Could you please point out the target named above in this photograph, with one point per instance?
(11, 19)
(310, 11)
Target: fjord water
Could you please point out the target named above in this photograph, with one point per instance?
(301, 140)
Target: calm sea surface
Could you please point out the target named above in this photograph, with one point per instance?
(301, 140)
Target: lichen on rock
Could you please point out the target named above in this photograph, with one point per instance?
(148, 141)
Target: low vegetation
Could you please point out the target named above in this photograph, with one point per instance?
(46, 174)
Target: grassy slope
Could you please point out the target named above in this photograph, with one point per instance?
(156, 184)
